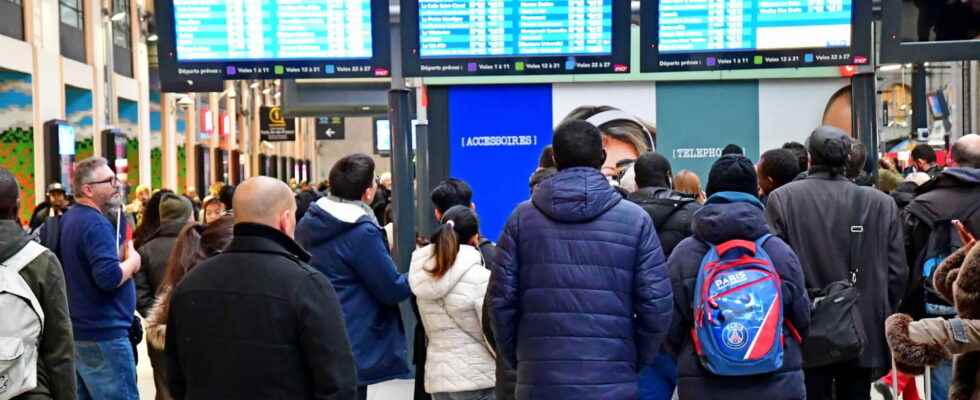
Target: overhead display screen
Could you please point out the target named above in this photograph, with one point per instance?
(515, 37)
(269, 39)
(683, 35)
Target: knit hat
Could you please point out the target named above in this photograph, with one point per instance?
(829, 146)
(175, 207)
(732, 173)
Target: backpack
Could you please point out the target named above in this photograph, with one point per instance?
(23, 323)
(738, 310)
(49, 235)
(942, 241)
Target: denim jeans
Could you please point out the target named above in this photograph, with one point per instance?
(940, 377)
(482, 394)
(106, 370)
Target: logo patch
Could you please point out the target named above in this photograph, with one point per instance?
(734, 335)
(731, 280)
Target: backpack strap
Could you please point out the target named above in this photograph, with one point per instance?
(856, 237)
(10, 269)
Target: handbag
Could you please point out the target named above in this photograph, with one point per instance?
(836, 333)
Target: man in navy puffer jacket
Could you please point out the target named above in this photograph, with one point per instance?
(579, 294)
(733, 212)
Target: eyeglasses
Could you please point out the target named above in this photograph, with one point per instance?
(112, 181)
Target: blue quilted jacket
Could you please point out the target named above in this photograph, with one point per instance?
(579, 294)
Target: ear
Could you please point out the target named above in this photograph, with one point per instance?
(473, 206)
(438, 215)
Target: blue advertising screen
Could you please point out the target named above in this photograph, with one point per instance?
(514, 27)
(272, 30)
(728, 34)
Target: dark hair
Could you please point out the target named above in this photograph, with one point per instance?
(799, 150)
(323, 186)
(780, 165)
(547, 158)
(652, 170)
(9, 195)
(924, 152)
(964, 154)
(732, 149)
(626, 130)
(578, 144)
(150, 221)
(856, 160)
(446, 240)
(540, 175)
(226, 194)
(451, 192)
(195, 243)
(351, 176)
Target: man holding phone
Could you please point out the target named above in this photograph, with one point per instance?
(939, 221)
(101, 293)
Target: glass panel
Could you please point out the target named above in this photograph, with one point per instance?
(70, 17)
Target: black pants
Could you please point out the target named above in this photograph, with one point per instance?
(158, 360)
(845, 381)
(362, 392)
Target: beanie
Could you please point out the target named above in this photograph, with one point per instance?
(174, 207)
(732, 173)
(829, 146)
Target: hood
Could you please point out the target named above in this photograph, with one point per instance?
(327, 219)
(652, 193)
(957, 176)
(428, 287)
(575, 195)
(730, 215)
(169, 229)
(12, 238)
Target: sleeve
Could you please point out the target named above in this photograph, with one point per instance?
(502, 292)
(373, 264)
(99, 250)
(680, 322)
(652, 295)
(775, 215)
(796, 302)
(956, 335)
(897, 263)
(323, 340)
(57, 344)
(144, 292)
(175, 375)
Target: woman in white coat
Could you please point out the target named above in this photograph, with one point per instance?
(450, 281)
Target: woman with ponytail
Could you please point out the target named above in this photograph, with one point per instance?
(195, 243)
(449, 281)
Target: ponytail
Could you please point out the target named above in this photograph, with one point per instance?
(459, 225)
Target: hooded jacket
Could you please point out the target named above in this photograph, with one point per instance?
(579, 293)
(348, 247)
(729, 216)
(154, 255)
(56, 349)
(458, 358)
(670, 211)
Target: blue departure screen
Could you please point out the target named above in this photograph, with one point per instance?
(514, 28)
(211, 30)
(702, 25)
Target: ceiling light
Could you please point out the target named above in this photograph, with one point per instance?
(152, 38)
(267, 91)
(890, 67)
(366, 108)
(118, 16)
(278, 94)
(254, 85)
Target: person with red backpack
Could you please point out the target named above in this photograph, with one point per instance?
(740, 303)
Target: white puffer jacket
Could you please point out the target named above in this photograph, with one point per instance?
(458, 357)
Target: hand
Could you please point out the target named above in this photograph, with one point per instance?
(965, 236)
(132, 254)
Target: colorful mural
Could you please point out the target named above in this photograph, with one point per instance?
(78, 110)
(181, 138)
(129, 123)
(156, 156)
(17, 134)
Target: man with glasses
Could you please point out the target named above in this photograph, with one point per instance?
(101, 293)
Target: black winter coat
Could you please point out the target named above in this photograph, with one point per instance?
(154, 256)
(716, 223)
(813, 216)
(670, 211)
(257, 322)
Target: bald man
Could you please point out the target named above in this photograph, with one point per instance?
(256, 321)
(953, 194)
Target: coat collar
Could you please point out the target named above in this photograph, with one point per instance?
(257, 238)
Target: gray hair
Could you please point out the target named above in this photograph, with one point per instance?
(85, 171)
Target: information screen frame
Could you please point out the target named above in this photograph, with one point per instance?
(857, 54)
(616, 62)
(894, 50)
(377, 66)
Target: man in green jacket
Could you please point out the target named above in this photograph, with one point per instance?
(56, 362)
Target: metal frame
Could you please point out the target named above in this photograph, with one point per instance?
(895, 50)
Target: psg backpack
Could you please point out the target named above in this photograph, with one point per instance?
(738, 313)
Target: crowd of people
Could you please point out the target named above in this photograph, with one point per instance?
(617, 279)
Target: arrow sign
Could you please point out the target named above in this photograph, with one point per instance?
(330, 128)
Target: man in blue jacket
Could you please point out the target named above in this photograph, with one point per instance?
(348, 247)
(579, 294)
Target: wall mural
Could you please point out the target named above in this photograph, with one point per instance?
(78, 110)
(129, 123)
(17, 134)
(181, 138)
(156, 155)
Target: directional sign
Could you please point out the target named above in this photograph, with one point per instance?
(330, 128)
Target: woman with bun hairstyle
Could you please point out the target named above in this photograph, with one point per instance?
(449, 281)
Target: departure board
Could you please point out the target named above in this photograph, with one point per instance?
(272, 30)
(732, 34)
(506, 37)
(207, 41)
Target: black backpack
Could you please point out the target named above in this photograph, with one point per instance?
(49, 235)
(943, 240)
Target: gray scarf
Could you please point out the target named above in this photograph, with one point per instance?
(365, 207)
